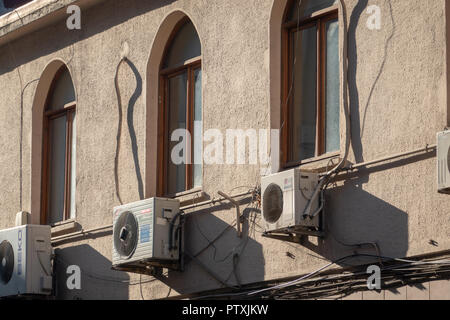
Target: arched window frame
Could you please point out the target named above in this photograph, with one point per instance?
(318, 18)
(189, 66)
(68, 110)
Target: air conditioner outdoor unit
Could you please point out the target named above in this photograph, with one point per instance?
(147, 233)
(25, 261)
(443, 156)
(285, 196)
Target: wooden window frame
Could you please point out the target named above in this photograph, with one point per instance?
(68, 110)
(189, 67)
(319, 19)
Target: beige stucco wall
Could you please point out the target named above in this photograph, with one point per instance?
(397, 83)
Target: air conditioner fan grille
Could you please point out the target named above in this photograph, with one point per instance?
(6, 262)
(272, 203)
(126, 234)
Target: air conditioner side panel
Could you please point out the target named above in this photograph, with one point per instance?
(145, 219)
(165, 211)
(19, 242)
(39, 252)
(443, 162)
(307, 182)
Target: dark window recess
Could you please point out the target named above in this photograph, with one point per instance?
(9, 5)
(13, 4)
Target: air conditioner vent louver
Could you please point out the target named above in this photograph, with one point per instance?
(443, 162)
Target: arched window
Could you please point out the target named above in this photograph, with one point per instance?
(310, 113)
(59, 154)
(180, 122)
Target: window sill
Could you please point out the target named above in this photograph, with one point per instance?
(65, 227)
(317, 164)
(190, 196)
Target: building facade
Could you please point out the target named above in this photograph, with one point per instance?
(92, 91)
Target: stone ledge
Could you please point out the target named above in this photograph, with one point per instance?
(34, 16)
(65, 227)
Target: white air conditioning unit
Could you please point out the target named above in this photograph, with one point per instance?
(285, 197)
(443, 156)
(25, 261)
(147, 233)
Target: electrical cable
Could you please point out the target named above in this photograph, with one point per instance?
(42, 265)
(251, 293)
(140, 287)
(103, 278)
(23, 88)
(243, 243)
(293, 65)
(345, 106)
(235, 265)
(21, 140)
(356, 245)
(288, 97)
(236, 256)
(315, 282)
(388, 41)
(211, 242)
(171, 226)
(21, 123)
(346, 284)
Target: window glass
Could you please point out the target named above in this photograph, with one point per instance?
(185, 45)
(197, 136)
(57, 163)
(73, 166)
(332, 136)
(62, 92)
(304, 100)
(177, 120)
(304, 8)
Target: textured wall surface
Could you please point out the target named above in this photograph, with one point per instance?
(398, 99)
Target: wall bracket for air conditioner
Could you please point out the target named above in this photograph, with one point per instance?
(238, 212)
(295, 234)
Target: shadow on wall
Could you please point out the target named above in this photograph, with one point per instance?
(98, 281)
(352, 83)
(366, 220)
(358, 124)
(131, 130)
(230, 261)
(95, 20)
(354, 216)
